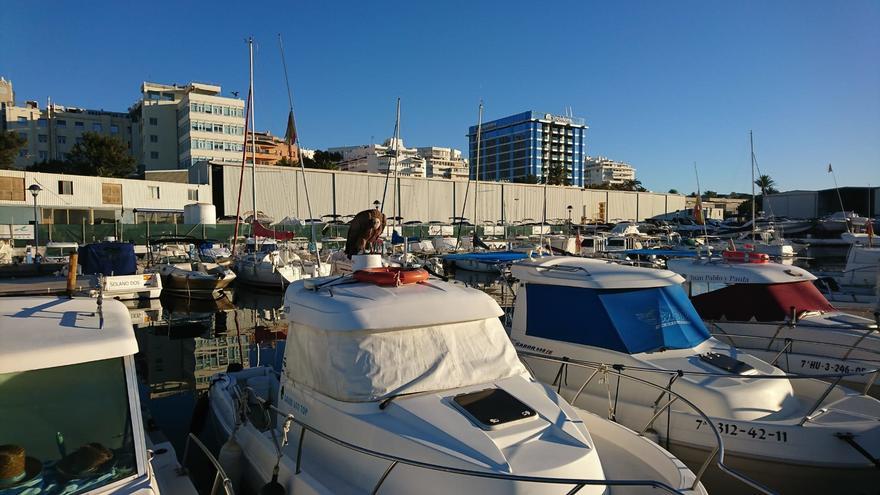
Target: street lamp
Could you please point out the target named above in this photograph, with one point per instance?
(35, 191)
(376, 204)
(569, 219)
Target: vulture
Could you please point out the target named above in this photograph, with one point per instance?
(363, 230)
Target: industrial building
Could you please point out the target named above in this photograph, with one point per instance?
(529, 144)
(814, 204)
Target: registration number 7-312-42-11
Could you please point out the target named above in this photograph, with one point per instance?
(734, 430)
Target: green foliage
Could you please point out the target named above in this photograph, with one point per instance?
(766, 184)
(325, 160)
(556, 176)
(673, 191)
(528, 179)
(100, 155)
(10, 144)
(50, 166)
(710, 194)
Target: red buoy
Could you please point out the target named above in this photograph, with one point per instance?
(394, 276)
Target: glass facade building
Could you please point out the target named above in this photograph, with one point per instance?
(529, 143)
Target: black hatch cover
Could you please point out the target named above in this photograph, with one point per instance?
(492, 407)
(726, 363)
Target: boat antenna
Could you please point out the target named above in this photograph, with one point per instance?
(247, 116)
(293, 137)
(752, 148)
(839, 197)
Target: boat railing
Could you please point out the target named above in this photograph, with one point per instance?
(289, 420)
(221, 481)
(717, 452)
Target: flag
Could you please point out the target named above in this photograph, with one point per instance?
(290, 134)
(698, 210)
(829, 168)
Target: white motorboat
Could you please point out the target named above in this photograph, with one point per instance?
(793, 435)
(775, 312)
(386, 388)
(858, 285)
(70, 408)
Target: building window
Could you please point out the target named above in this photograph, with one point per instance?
(22, 153)
(114, 129)
(154, 155)
(111, 194)
(12, 188)
(65, 187)
(97, 127)
(154, 192)
(154, 121)
(154, 138)
(43, 138)
(192, 195)
(79, 124)
(61, 123)
(62, 139)
(78, 140)
(43, 155)
(22, 120)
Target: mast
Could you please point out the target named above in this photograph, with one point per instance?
(752, 148)
(477, 172)
(247, 115)
(253, 143)
(397, 163)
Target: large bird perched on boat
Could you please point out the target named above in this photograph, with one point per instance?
(363, 230)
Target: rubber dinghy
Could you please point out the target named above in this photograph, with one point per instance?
(792, 434)
(775, 312)
(385, 389)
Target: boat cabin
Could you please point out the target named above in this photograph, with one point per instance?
(603, 304)
(744, 291)
(59, 252)
(69, 396)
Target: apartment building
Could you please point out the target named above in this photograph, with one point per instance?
(444, 163)
(529, 143)
(174, 126)
(379, 158)
(601, 170)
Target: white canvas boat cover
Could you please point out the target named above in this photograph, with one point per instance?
(365, 343)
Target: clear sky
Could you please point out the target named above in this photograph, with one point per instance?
(662, 84)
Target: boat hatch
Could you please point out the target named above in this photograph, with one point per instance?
(726, 363)
(492, 408)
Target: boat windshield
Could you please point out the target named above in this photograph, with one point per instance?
(624, 320)
(74, 424)
(763, 302)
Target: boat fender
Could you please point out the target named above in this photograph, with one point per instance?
(230, 460)
(199, 415)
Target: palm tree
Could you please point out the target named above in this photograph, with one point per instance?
(766, 184)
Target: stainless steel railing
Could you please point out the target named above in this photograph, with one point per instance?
(577, 483)
(220, 478)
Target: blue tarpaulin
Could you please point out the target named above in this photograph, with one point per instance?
(398, 239)
(108, 258)
(624, 320)
(488, 256)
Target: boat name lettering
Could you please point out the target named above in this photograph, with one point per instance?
(735, 430)
(297, 407)
(719, 278)
(530, 347)
(115, 284)
(827, 366)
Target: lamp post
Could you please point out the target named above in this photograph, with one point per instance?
(376, 204)
(35, 191)
(568, 235)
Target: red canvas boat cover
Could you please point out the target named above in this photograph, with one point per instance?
(278, 235)
(763, 302)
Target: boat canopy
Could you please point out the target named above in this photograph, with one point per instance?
(625, 320)
(360, 342)
(45, 332)
(489, 256)
(108, 258)
(590, 273)
(763, 302)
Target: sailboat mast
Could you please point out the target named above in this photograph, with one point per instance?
(477, 170)
(253, 141)
(397, 163)
(752, 148)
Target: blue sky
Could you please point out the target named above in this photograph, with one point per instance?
(661, 84)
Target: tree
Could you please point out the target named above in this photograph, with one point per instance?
(50, 166)
(10, 144)
(556, 176)
(673, 191)
(285, 162)
(710, 194)
(325, 160)
(766, 184)
(630, 185)
(100, 155)
(528, 179)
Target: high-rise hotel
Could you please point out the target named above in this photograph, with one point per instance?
(529, 143)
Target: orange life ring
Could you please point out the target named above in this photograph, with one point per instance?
(744, 256)
(391, 275)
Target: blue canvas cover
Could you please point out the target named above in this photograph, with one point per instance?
(398, 239)
(489, 256)
(108, 258)
(624, 320)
